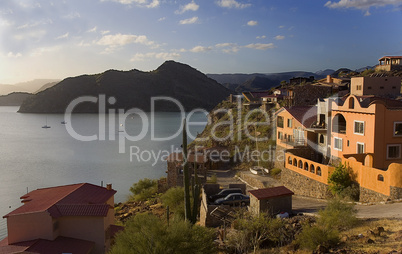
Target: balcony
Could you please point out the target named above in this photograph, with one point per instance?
(298, 142)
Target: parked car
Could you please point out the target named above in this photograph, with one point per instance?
(234, 199)
(223, 193)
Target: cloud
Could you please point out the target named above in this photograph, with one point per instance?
(32, 34)
(119, 40)
(261, 37)
(162, 55)
(35, 23)
(162, 19)
(188, 21)
(140, 3)
(252, 23)
(92, 30)
(73, 15)
(198, 49)
(231, 4)
(12, 55)
(64, 36)
(279, 37)
(40, 51)
(104, 32)
(364, 5)
(226, 44)
(188, 7)
(260, 46)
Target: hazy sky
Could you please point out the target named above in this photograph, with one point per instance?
(58, 39)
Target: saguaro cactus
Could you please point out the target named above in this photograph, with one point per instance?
(187, 204)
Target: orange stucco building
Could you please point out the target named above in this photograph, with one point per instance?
(75, 218)
(363, 131)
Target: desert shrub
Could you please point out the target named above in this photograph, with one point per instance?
(275, 171)
(147, 234)
(338, 214)
(312, 236)
(144, 189)
(174, 198)
(214, 179)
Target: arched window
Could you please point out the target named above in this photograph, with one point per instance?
(339, 124)
(351, 103)
(380, 178)
(312, 169)
(300, 164)
(290, 160)
(318, 171)
(306, 166)
(321, 139)
(295, 162)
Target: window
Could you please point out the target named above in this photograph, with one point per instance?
(394, 87)
(290, 123)
(393, 152)
(359, 87)
(279, 121)
(360, 147)
(359, 127)
(351, 103)
(280, 135)
(398, 129)
(369, 88)
(290, 160)
(338, 144)
(318, 171)
(381, 87)
(321, 139)
(380, 178)
(306, 166)
(312, 169)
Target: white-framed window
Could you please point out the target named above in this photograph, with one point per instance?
(393, 151)
(397, 129)
(289, 123)
(280, 135)
(360, 147)
(358, 127)
(338, 144)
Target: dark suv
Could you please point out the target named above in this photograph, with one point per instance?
(223, 193)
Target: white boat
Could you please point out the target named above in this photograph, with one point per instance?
(46, 126)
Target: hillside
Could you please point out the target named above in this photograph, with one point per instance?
(257, 81)
(13, 99)
(132, 89)
(26, 87)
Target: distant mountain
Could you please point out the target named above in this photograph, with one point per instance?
(325, 72)
(257, 81)
(27, 87)
(46, 86)
(13, 99)
(365, 68)
(132, 89)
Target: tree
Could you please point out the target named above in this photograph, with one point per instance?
(147, 234)
(174, 198)
(340, 179)
(144, 189)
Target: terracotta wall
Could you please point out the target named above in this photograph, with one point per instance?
(31, 226)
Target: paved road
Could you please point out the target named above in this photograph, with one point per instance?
(311, 205)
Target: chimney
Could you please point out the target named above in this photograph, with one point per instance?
(109, 186)
(329, 79)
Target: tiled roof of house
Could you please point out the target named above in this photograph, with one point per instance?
(273, 192)
(82, 210)
(59, 245)
(367, 100)
(52, 200)
(306, 115)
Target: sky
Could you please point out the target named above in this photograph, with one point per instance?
(59, 39)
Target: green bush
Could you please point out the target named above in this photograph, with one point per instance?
(338, 215)
(312, 236)
(174, 198)
(144, 189)
(275, 171)
(147, 234)
(341, 182)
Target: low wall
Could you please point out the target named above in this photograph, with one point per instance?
(252, 181)
(303, 185)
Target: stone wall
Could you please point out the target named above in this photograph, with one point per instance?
(368, 196)
(252, 181)
(396, 193)
(303, 185)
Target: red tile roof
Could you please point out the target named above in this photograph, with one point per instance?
(41, 246)
(305, 115)
(273, 192)
(49, 199)
(82, 210)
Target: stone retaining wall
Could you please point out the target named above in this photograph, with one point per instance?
(252, 181)
(303, 185)
(370, 196)
(396, 193)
